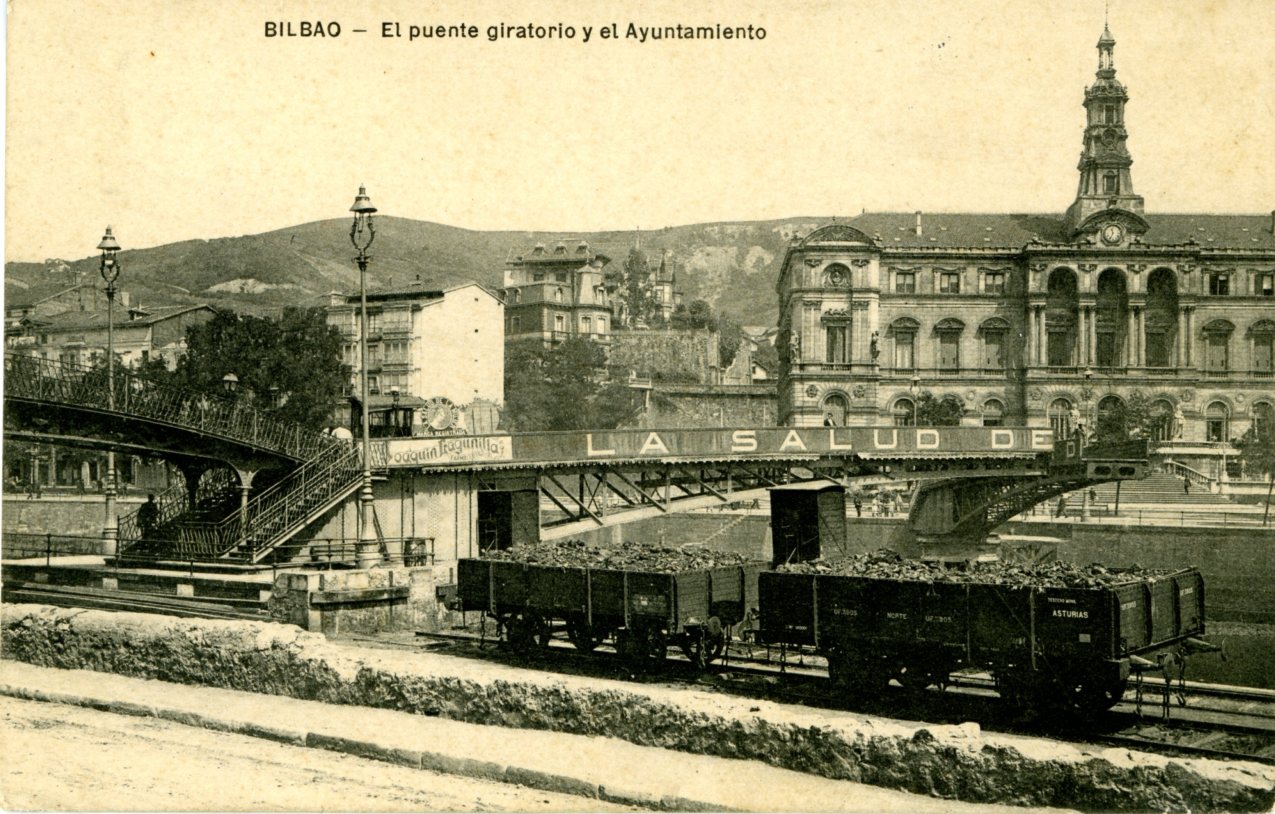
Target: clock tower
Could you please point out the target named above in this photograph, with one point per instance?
(1105, 180)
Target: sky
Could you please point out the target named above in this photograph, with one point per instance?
(181, 120)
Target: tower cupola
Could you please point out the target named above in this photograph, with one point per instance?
(1105, 178)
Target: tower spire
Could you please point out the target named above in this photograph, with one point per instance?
(1105, 179)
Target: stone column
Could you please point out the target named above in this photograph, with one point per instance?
(1042, 353)
(1130, 349)
(1093, 336)
(1142, 336)
(1179, 358)
(1030, 355)
(1082, 335)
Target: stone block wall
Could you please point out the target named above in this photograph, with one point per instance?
(362, 601)
(667, 355)
(956, 762)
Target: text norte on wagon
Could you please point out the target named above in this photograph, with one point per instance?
(580, 446)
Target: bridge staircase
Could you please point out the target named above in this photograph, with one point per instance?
(292, 504)
(215, 526)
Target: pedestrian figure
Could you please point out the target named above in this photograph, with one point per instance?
(1186, 485)
(1093, 496)
(1062, 507)
(148, 517)
(858, 506)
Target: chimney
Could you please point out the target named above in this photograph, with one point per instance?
(918, 223)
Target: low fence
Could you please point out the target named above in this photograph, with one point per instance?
(324, 553)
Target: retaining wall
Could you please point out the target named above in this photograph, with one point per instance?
(958, 762)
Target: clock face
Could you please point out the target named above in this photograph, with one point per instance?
(1112, 233)
(1109, 138)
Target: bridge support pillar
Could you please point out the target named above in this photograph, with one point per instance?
(110, 528)
(245, 486)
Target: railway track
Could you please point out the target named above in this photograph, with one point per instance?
(1217, 721)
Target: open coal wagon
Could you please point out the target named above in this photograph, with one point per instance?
(641, 611)
(1071, 643)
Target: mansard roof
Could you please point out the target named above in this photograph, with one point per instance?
(977, 230)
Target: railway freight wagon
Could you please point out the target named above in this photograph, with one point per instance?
(1044, 645)
(645, 611)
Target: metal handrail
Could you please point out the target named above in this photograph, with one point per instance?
(215, 485)
(332, 470)
(31, 377)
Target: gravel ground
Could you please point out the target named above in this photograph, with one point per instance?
(74, 759)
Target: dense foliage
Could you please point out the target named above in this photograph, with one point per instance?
(562, 388)
(290, 366)
(934, 411)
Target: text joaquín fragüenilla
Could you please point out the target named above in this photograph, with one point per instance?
(513, 32)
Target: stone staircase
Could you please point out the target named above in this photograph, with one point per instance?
(1159, 489)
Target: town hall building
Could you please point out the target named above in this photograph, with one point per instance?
(1039, 320)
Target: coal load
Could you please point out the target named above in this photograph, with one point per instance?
(625, 557)
(886, 564)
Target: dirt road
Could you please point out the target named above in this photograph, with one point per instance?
(69, 758)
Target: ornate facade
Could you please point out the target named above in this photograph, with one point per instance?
(1038, 320)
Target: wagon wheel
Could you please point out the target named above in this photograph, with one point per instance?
(526, 632)
(641, 647)
(1092, 698)
(583, 635)
(704, 644)
(853, 674)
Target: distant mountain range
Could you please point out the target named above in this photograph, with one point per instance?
(731, 265)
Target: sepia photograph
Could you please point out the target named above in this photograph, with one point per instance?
(569, 406)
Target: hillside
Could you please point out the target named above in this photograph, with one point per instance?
(732, 265)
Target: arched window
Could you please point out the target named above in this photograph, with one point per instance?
(1110, 418)
(1062, 304)
(1161, 318)
(1060, 417)
(1263, 419)
(835, 408)
(1111, 320)
(905, 413)
(1163, 426)
(1217, 420)
(993, 413)
(557, 295)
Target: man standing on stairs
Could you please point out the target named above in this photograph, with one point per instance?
(148, 517)
(1186, 485)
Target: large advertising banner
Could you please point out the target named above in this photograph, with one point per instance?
(452, 449)
(778, 442)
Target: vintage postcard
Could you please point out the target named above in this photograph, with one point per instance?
(853, 405)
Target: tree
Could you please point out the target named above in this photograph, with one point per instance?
(562, 388)
(290, 367)
(932, 411)
(730, 337)
(695, 315)
(638, 305)
(1127, 419)
(1257, 452)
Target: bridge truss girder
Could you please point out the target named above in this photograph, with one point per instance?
(577, 499)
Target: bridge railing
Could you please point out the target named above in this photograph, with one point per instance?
(215, 485)
(278, 508)
(31, 377)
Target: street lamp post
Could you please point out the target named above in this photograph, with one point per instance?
(110, 270)
(1086, 394)
(362, 233)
